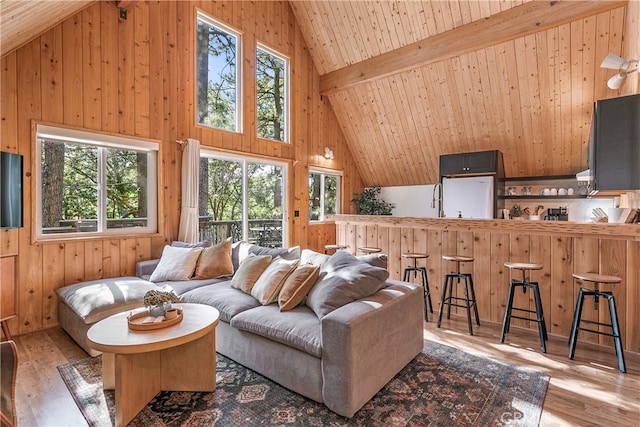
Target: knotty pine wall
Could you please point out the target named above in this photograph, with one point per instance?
(136, 77)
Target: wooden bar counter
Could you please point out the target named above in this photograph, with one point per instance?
(561, 247)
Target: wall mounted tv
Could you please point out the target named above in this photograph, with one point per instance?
(10, 190)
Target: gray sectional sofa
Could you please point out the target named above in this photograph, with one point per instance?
(342, 358)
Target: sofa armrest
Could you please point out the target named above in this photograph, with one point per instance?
(367, 342)
(144, 269)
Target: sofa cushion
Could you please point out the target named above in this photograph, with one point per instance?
(181, 286)
(249, 272)
(267, 287)
(97, 299)
(343, 279)
(214, 261)
(202, 244)
(176, 264)
(309, 256)
(297, 286)
(298, 328)
(229, 301)
(240, 250)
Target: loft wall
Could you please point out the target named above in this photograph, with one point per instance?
(136, 77)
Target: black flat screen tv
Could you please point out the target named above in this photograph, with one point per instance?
(10, 190)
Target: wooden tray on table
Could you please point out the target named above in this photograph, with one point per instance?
(144, 322)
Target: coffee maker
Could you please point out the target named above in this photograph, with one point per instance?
(556, 214)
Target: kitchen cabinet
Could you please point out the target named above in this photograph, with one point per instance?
(476, 163)
(613, 147)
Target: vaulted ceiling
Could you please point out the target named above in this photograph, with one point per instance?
(410, 80)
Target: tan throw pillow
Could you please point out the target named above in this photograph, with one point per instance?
(297, 286)
(249, 271)
(267, 288)
(176, 264)
(215, 261)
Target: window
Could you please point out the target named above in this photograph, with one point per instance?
(217, 81)
(271, 94)
(242, 198)
(324, 194)
(91, 183)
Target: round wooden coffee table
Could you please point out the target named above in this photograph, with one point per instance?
(139, 364)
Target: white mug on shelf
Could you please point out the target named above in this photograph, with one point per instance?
(553, 192)
(546, 192)
(570, 191)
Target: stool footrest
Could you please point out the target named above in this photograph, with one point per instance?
(598, 332)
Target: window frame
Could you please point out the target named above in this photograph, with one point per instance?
(98, 140)
(287, 91)
(324, 172)
(244, 159)
(200, 15)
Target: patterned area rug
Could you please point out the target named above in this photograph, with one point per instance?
(442, 386)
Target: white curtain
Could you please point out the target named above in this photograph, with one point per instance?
(188, 231)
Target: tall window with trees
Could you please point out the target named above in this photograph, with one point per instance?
(94, 183)
(217, 69)
(272, 72)
(242, 198)
(324, 194)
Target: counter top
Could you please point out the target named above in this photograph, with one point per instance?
(567, 228)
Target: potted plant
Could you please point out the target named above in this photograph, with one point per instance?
(369, 202)
(516, 212)
(159, 301)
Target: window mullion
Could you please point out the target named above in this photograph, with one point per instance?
(322, 211)
(102, 192)
(245, 200)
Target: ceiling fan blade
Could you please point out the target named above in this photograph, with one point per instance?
(613, 62)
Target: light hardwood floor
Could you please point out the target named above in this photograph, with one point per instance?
(588, 391)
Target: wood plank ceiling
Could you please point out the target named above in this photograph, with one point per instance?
(410, 80)
(526, 91)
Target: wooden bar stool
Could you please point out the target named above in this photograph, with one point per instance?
(334, 248)
(369, 250)
(525, 284)
(596, 293)
(423, 273)
(469, 293)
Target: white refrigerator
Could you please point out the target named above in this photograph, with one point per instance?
(468, 197)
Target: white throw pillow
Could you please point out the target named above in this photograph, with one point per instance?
(176, 264)
(269, 284)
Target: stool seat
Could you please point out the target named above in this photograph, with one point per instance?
(334, 248)
(414, 255)
(457, 258)
(597, 278)
(522, 266)
(369, 250)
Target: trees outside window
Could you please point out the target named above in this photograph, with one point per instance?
(324, 194)
(242, 198)
(217, 69)
(271, 94)
(94, 183)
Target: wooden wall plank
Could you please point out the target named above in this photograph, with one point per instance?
(53, 262)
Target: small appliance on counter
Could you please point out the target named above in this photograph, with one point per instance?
(556, 214)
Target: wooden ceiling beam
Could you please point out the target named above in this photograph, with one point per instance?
(513, 23)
